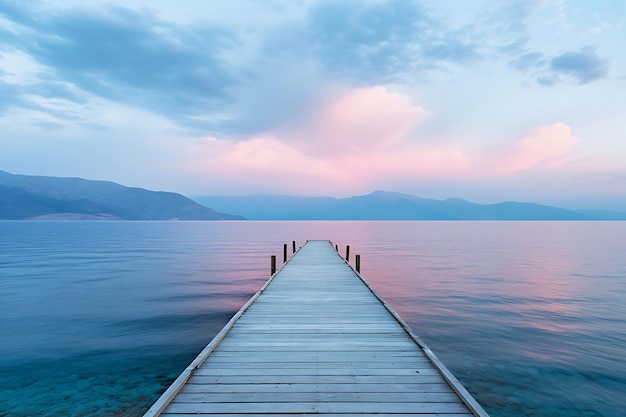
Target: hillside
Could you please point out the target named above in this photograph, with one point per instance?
(39, 197)
(383, 205)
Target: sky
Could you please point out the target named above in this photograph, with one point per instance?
(484, 100)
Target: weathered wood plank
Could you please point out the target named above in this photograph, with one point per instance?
(325, 415)
(328, 397)
(312, 379)
(322, 345)
(414, 388)
(233, 364)
(313, 355)
(287, 370)
(316, 407)
(316, 338)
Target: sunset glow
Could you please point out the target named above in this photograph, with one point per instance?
(436, 99)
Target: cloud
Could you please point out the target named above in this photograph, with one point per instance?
(509, 25)
(9, 97)
(14, 11)
(364, 40)
(277, 93)
(583, 65)
(384, 41)
(121, 54)
(546, 147)
(503, 29)
(352, 138)
(350, 43)
(364, 138)
(219, 80)
(57, 90)
(529, 60)
(512, 16)
(357, 120)
(196, 74)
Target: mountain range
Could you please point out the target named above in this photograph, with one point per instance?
(384, 205)
(38, 197)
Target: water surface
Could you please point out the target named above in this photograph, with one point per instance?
(97, 318)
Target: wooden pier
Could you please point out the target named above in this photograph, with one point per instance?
(316, 339)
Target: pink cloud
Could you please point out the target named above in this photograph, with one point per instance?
(546, 147)
(350, 138)
(266, 163)
(359, 120)
(363, 139)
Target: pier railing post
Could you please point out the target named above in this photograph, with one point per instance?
(348, 253)
(358, 263)
(337, 248)
(284, 253)
(293, 246)
(273, 264)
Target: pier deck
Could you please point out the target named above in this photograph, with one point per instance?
(316, 340)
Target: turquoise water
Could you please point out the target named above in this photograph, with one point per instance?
(97, 318)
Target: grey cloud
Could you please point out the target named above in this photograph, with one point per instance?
(548, 80)
(504, 29)
(507, 27)
(6, 36)
(360, 43)
(514, 47)
(16, 12)
(356, 42)
(513, 15)
(584, 65)
(55, 89)
(49, 126)
(17, 96)
(121, 54)
(450, 49)
(10, 96)
(528, 61)
(180, 71)
(382, 41)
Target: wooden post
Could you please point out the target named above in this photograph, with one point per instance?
(348, 253)
(358, 263)
(337, 248)
(284, 253)
(293, 244)
(273, 264)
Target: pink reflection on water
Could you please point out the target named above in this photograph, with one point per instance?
(507, 277)
(524, 285)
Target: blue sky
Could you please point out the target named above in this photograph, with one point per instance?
(484, 100)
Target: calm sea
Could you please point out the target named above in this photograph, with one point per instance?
(97, 318)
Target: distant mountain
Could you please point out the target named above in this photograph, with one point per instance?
(383, 205)
(37, 197)
(603, 214)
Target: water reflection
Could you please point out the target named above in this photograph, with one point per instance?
(529, 315)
